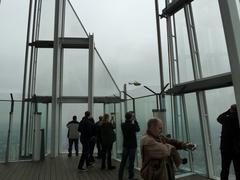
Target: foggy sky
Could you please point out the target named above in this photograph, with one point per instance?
(125, 35)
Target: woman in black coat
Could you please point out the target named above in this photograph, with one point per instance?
(108, 137)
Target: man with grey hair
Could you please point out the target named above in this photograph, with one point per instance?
(159, 153)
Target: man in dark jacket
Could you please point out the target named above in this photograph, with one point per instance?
(129, 129)
(73, 135)
(230, 142)
(86, 128)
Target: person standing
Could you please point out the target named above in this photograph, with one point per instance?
(86, 128)
(99, 145)
(73, 135)
(129, 128)
(92, 141)
(108, 137)
(230, 142)
(159, 154)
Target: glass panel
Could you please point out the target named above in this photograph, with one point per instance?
(68, 111)
(47, 20)
(13, 18)
(73, 27)
(211, 39)
(144, 107)
(223, 98)
(184, 55)
(199, 163)
(103, 83)
(44, 72)
(4, 126)
(75, 72)
(14, 142)
(98, 111)
(129, 105)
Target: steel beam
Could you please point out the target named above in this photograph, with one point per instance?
(214, 82)
(174, 7)
(231, 23)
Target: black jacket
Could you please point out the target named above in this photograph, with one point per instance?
(129, 130)
(107, 134)
(87, 129)
(230, 136)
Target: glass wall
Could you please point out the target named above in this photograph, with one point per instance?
(73, 26)
(196, 136)
(15, 131)
(44, 72)
(13, 18)
(184, 56)
(144, 107)
(47, 20)
(211, 39)
(223, 98)
(75, 72)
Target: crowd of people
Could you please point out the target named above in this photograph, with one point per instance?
(160, 155)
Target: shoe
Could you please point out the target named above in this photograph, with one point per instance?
(76, 154)
(82, 169)
(111, 167)
(69, 155)
(90, 164)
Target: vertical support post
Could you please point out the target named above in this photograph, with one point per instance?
(32, 73)
(56, 84)
(184, 106)
(37, 137)
(61, 79)
(104, 108)
(172, 76)
(25, 77)
(47, 120)
(9, 129)
(134, 106)
(201, 97)
(91, 74)
(125, 97)
(159, 45)
(230, 17)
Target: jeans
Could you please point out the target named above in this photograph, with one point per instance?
(107, 151)
(70, 144)
(227, 158)
(128, 153)
(85, 154)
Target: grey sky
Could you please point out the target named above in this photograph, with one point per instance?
(125, 34)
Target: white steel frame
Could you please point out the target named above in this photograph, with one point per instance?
(231, 24)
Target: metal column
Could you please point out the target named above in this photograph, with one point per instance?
(91, 74)
(25, 77)
(125, 98)
(231, 23)
(56, 84)
(201, 97)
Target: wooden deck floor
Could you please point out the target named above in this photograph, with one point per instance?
(61, 168)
